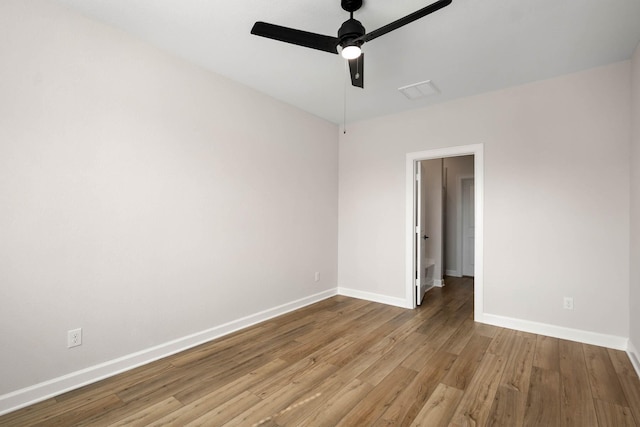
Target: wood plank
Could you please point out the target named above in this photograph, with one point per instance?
(328, 388)
(241, 346)
(508, 407)
(241, 377)
(437, 411)
(357, 365)
(319, 350)
(576, 405)
(293, 374)
(333, 385)
(603, 378)
(431, 344)
(123, 380)
(213, 371)
(149, 414)
(335, 408)
(503, 343)
(477, 400)
(76, 415)
(301, 387)
(254, 346)
(202, 352)
(52, 413)
(547, 355)
(408, 404)
(405, 323)
(341, 324)
(485, 330)
(509, 404)
(631, 387)
(368, 410)
(460, 338)
(343, 304)
(389, 361)
(126, 410)
(357, 346)
(621, 363)
(184, 378)
(30, 412)
(324, 391)
(543, 407)
(460, 374)
(217, 398)
(517, 374)
(610, 414)
(226, 411)
(363, 338)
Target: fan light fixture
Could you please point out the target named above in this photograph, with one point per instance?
(351, 52)
(351, 35)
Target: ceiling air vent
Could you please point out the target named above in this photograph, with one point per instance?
(419, 90)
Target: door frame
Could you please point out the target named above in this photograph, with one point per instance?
(476, 150)
(420, 281)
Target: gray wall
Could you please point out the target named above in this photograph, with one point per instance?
(143, 198)
(556, 197)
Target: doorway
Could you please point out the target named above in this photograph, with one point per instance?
(412, 234)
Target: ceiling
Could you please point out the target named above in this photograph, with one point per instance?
(469, 47)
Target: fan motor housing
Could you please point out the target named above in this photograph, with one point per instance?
(350, 29)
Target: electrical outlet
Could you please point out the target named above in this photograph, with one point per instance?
(74, 337)
(568, 303)
(317, 277)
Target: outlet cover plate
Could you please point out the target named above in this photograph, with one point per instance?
(74, 338)
(568, 303)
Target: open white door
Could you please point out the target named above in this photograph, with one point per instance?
(420, 237)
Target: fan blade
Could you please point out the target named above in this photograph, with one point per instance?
(404, 21)
(356, 68)
(298, 37)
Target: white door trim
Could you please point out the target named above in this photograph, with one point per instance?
(477, 150)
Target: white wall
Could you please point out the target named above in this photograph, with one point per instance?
(144, 199)
(556, 197)
(634, 298)
(456, 168)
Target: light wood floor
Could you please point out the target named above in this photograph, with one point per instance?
(347, 362)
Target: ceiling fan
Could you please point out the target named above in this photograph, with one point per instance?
(351, 35)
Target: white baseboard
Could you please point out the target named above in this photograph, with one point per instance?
(438, 283)
(634, 356)
(27, 396)
(369, 296)
(587, 337)
(453, 273)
